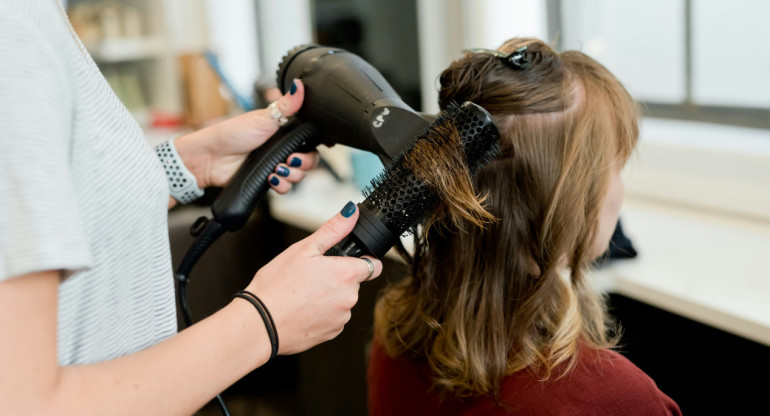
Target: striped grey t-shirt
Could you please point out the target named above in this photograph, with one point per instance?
(81, 191)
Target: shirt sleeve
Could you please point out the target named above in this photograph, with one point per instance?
(40, 222)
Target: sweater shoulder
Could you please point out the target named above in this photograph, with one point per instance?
(602, 382)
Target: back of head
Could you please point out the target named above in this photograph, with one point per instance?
(486, 302)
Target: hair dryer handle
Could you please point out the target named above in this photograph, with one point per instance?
(238, 199)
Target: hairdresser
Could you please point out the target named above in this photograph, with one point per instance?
(87, 309)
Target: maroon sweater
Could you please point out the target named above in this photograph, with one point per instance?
(602, 383)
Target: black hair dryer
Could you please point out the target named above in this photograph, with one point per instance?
(346, 101)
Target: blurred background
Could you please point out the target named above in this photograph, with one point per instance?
(694, 302)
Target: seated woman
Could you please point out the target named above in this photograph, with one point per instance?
(502, 319)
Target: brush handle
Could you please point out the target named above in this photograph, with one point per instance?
(238, 199)
(370, 236)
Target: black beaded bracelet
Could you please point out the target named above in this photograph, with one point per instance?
(266, 317)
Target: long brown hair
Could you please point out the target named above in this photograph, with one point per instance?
(485, 302)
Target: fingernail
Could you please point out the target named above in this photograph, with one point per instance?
(274, 181)
(293, 88)
(283, 171)
(295, 162)
(348, 209)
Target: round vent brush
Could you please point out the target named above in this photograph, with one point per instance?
(399, 199)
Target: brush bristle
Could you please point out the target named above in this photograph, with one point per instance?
(408, 198)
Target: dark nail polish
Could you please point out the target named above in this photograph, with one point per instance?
(274, 181)
(295, 162)
(283, 171)
(293, 88)
(348, 209)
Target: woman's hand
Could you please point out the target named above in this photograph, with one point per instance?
(310, 295)
(215, 153)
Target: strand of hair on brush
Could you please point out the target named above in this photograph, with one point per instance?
(438, 159)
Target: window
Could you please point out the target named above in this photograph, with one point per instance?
(702, 60)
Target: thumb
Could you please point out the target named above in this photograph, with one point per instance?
(291, 102)
(335, 229)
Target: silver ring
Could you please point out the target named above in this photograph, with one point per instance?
(370, 264)
(276, 114)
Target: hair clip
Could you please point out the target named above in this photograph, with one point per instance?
(518, 59)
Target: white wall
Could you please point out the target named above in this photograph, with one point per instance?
(233, 38)
(283, 25)
(489, 23)
(707, 167)
(447, 27)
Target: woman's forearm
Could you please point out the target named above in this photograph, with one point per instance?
(196, 152)
(197, 155)
(308, 294)
(176, 377)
